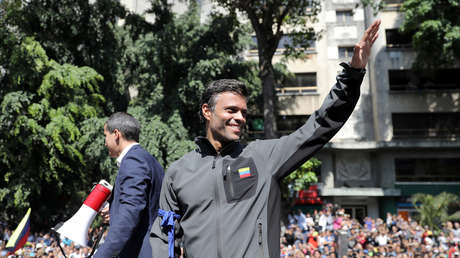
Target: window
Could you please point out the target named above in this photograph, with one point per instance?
(345, 16)
(358, 212)
(427, 169)
(255, 128)
(301, 83)
(442, 79)
(426, 125)
(255, 123)
(393, 5)
(397, 39)
(285, 40)
(345, 52)
(285, 125)
(288, 124)
(401, 80)
(390, 2)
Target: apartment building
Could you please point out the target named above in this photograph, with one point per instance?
(402, 136)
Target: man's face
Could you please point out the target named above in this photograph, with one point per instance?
(111, 142)
(228, 119)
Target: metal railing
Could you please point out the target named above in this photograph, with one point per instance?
(453, 133)
(296, 90)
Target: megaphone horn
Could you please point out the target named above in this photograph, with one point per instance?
(76, 228)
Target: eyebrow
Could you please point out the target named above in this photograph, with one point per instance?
(235, 107)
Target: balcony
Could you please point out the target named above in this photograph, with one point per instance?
(296, 90)
(441, 126)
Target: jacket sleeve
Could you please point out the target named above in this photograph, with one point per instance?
(158, 235)
(134, 180)
(289, 152)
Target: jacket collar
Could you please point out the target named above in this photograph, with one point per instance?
(123, 153)
(205, 147)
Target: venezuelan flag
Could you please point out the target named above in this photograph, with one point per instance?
(19, 237)
(244, 172)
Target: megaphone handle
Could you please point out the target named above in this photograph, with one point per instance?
(59, 244)
(104, 227)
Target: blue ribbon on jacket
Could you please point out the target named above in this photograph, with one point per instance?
(168, 223)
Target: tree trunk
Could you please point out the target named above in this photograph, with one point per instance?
(267, 76)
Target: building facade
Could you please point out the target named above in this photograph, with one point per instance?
(402, 136)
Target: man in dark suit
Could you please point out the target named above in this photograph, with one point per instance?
(134, 201)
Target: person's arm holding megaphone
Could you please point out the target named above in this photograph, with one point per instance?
(104, 213)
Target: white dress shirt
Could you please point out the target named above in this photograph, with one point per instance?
(123, 153)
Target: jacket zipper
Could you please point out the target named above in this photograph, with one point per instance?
(260, 239)
(218, 208)
(214, 162)
(227, 176)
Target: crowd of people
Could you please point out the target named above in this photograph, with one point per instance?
(331, 233)
(46, 244)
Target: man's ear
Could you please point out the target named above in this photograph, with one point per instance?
(206, 110)
(117, 134)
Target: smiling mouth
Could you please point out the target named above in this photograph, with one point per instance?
(235, 128)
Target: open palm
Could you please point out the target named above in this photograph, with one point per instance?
(363, 47)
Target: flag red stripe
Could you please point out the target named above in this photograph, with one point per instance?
(21, 242)
(245, 175)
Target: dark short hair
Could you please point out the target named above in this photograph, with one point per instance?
(126, 124)
(214, 88)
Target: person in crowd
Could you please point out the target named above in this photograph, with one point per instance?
(322, 222)
(301, 219)
(289, 236)
(309, 221)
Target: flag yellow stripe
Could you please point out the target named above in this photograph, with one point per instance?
(243, 169)
(18, 230)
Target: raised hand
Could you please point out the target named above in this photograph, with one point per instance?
(363, 47)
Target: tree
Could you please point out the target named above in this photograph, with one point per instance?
(81, 33)
(433, 210)
(436, 28)
(298, 180)
(43, 104)
(52, 146)
(271, 20)
(170, 78)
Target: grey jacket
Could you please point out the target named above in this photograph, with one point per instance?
(229, 202)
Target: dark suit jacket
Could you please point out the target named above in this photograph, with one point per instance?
(134, 206)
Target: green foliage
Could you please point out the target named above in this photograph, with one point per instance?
(54, 105)
(300, 179)
(166, 140)
(42, 104)
(376, 6)
(95, 154)
(433, 210)
(77, 32)
(436, 28)
(170, 78)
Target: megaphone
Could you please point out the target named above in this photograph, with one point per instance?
(76, 228)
